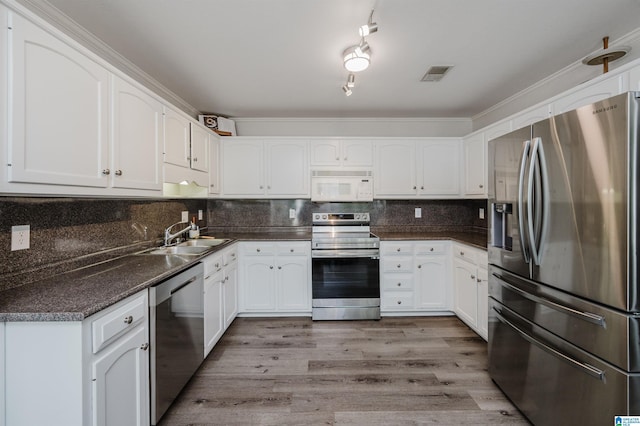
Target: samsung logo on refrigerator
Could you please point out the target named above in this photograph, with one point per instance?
(605, 109)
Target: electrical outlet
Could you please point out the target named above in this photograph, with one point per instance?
(199, 214)
(20, 237)
(418, 212)
(292, 213)
(185, 216)
(481, 213)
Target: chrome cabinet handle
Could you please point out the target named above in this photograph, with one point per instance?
(271, 267)
(128, 320)
(461, 253)
(195, 159)
(337, 158)
(419, 266)
(422, 187)
(279, 267)
(431, 249)
(399, 265)
(399, 302)
(118, 172)
(258, 250)
(398, 249)
(479, 280)
(481, 186)
(414, 187)
(144, 346)
(106, 171)
(473, 277)
(399, 284)
(291, 250)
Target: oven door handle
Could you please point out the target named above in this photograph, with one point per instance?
(373, 254)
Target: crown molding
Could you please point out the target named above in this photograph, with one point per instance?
(53, 16)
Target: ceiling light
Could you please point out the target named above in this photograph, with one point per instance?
(355, 59)
(347, 90)
(363, 48)
(351, 81)
(367, 29)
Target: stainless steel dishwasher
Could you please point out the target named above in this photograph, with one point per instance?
(177, 336)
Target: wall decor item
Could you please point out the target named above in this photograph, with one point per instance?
(208, 120)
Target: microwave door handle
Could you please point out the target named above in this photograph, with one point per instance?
(521, 210)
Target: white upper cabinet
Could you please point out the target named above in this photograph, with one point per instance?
(199, 154)
(475, 165)
(214, 164)
(439, 168)
(336, 153)
(256, 168)
(177, 138)
(417, 168)
(136, 138)
(590, 93)
(58, 102)
(530, 116)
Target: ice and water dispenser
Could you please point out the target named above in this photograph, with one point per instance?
(500, 215)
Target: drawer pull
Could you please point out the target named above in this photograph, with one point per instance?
(144, 346)
(473, 277)
(399, 302)
(461, 253)
(419, 266)
(398, 249)
(431, 249)
(291, 250)
(128, 320)
(258, 250)
(399, 284)
(399, 265)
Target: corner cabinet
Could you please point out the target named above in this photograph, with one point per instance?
(415, 277)
(275, 277)
(91, 372)
(470, 282)
(417, 168)
(259, 168)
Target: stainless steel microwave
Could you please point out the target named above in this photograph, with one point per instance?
(341, 185)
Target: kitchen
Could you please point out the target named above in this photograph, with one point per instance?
(77, 227)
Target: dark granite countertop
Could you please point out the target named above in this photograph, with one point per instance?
(77, 294)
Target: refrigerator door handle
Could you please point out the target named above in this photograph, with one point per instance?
(537, 199)
(585, 316)
(588, 369)
(524, 245)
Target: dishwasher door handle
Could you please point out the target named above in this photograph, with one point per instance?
(184, 284)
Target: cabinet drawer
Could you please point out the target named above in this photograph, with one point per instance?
(398, 264)
(229, 256)
(397, 301)
(400, 248)
(482, 258)
(212, 264)
(118, 322)
(398, 282)
(258, 249)
(294, 248)
(464, 252)
(437, 247)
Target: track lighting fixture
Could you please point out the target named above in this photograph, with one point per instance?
(347, 90)
(369, 28)
(355, 59)
(351, 80)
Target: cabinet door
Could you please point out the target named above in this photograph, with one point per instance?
(121, 382)
(357, 153)
(58, 103)
(292, 276)
(214, 165)
(177, 138)
(258, 283)
(230, 293)
(243, 167)
(213, 311)
(465, 291)
(325, 153)
(483, 303)
(589, 94)
(432, 284)
(288, 169)
(199, 148)
(136, 138)
(475, 161)
(395, 169)
(440, 168)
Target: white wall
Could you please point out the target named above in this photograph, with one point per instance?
(390, 127)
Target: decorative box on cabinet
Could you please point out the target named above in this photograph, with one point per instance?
(275, 277)
(415, 277)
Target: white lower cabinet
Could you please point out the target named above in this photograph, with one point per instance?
(93, 372)
(470, 287)
(415, 277)
(275, 277)
(220, 294)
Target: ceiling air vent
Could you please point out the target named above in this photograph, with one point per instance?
(436, 73)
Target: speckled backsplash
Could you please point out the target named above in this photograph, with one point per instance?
(261, 214)
(67, 233)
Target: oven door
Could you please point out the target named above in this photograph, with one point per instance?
(345, 274)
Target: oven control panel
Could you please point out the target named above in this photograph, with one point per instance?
(340, 218)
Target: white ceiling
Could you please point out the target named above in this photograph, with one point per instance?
(282, 58)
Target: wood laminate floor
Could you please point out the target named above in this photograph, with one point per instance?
(396, 371)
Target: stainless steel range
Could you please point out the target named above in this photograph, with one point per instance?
(345, 259)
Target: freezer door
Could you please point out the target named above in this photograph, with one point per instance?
(508, 172)
(581, 226)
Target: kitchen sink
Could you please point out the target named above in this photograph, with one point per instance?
(210, 242)
(185, 250)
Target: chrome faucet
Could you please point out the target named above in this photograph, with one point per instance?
(168, 236)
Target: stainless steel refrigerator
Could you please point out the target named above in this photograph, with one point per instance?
(564, 314)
